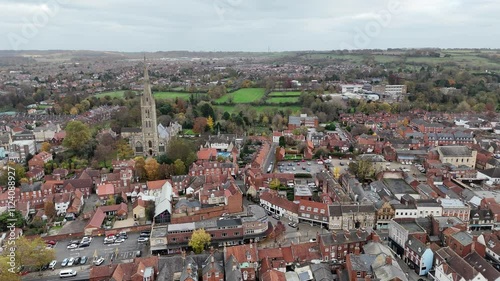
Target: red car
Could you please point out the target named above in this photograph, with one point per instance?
(51, 242)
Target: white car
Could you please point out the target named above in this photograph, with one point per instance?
(71, 261)
(142, 239)
(73, 246)
(119, 240)
(99, 261)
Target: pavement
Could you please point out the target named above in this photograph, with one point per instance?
(124, 251)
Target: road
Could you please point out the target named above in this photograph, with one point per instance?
(271, 157)
(81, 276)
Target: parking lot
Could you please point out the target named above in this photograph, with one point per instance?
(293, 167)
(110, 252)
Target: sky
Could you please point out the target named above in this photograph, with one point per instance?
(247, 25)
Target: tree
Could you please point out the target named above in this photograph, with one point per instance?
(282, 141)
(275, 184)
(17, 169)
(199, 240)
(150, 210)
(200, 124)
(77, 135)
(119, 199)
(33, 252)
(362, 169)
(151, 167)
(45, 147)
(179, 167)
(7, 272)
(140, 167)
(50, 209)
(210, 123)
(124, 151)
(7, 218)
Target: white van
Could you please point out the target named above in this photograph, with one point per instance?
(67, 273)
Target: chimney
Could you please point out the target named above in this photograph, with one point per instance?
(356, 251)
(388, 260)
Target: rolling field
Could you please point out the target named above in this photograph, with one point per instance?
(246, 95)
(284, 94)
(282, 99)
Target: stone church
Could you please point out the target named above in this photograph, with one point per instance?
(152, 138)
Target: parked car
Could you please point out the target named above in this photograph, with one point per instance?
(138, 253)
(292, 224)
(64, 262)
(74, 242)
(72, 246)
(312, 240)
(85, 244)
(71, 261)
(51, 242)
(142, 239)
(275, 216)
(99, 261)
(77, 260)
(119, 240)
(67, 273)
(83, 260)
(110, 239)
(52, 264)
(145, 234)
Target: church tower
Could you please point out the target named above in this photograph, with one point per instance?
(148, 117)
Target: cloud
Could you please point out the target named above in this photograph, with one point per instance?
(130, 25)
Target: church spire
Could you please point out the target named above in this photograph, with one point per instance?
(146, 74)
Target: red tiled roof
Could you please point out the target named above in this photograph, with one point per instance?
(206, 153)
(155, 184)
(105, 189)
(241, 252)
(273, 275)
(97, 219)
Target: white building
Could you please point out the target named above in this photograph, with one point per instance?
(351, 88)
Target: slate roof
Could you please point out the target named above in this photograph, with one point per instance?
(455, 151)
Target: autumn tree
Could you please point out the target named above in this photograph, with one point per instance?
(362, 169)
(7, 272)
(200, 124)
(210, 123)
(140, 167)
(199, 240)
(77, 135)
(179, 167)
(33, 252)
(124, 151)
(46, 147)
(151, 167)
(50, 209)
(180, 149)
(275, 184)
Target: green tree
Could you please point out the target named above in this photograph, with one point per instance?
(111, 200)
(77, 135)
(124, 151)
(179, 167)
(7, 272)
(46, 147)
(119, 199)
(16, 169)
(282, 141)
(7, 218)
(150, 210)
(199, 240)
(362, 169)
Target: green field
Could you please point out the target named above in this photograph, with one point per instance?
(284, 94)
(115, 94)
(247, 95)
(282, 99)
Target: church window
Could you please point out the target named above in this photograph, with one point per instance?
(150, 143)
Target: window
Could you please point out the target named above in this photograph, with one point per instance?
(209, 274)
(224, 234)
(302, 207)
(217, 274)
(315, 210)
(309, 208)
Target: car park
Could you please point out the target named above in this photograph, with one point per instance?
(99, 261)
(83, 260)
(64, 262)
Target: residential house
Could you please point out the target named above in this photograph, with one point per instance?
(212, 270)
(400, 230)
(313, 213)
(419, 256)
(351, 216)
(247, 258)
(336, 245)
(280, 206)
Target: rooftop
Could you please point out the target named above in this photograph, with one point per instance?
(455, 151)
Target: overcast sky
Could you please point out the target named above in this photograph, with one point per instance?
(247, 25)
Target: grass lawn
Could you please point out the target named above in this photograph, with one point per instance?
(284, 94)
(246, 95)
(283, 99)
(171, 95)
(188, 132)
(114, 94)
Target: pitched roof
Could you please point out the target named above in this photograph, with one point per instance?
(273, 275)
(97, 219)
(105, 189)
(153, 185)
